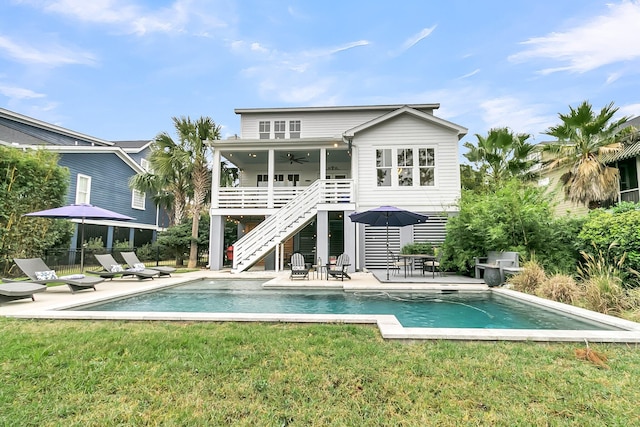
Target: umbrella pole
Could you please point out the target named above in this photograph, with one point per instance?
(82, 247)
(387, 248)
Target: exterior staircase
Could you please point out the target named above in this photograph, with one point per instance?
(287, 221)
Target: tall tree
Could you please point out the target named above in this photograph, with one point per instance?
(194, 136)
(584, 139)
(168, 179)
(502, 154)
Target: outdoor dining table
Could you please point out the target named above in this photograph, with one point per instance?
(423, 257)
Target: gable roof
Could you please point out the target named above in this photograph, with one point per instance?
(391, 107)
(19, 131)
(133, 146)
(406, 109)
(46, 132)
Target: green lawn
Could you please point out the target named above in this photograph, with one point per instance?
(84, 373)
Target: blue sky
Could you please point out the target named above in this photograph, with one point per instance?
(120, 69)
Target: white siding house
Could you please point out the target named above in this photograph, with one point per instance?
(304, 170)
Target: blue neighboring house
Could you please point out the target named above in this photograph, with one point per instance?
(99, 174)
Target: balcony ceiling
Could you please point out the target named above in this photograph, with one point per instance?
(301, 157)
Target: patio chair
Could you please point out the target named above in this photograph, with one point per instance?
(398, 263)
(299, 269)
(111, 269)
(19, 290)
(39, 273)
(339, 269)
(133, 262)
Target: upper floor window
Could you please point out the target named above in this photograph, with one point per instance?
(294, 128)
(279, 129)
(408, 172)
(427, 165)
(137, 199)
(83, 189)
(405, 167)
(383, 167)
(146, 165)
(265, 130)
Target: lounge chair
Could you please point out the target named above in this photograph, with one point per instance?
(111, 269)
(339, 269)
(39, 273)
(299, 269)
(133, 262)
(19, 290)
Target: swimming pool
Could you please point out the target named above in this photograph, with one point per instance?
(482, 310)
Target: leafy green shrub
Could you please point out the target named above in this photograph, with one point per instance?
(30, 181)
(614, 234)
(529, 279)
(561, 288)
(515, 217)
(121, 246)
(418, 248)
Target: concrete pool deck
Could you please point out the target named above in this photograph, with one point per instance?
(49, 305)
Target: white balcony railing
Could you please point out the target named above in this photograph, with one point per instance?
(331, 191)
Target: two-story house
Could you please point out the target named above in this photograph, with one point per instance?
(99, 174)
(304, 170)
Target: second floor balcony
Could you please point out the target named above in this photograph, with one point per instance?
(332, 191)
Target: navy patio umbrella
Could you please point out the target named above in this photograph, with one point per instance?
(385, 216)
(80, 211)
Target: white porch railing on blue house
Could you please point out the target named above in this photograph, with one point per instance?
(288, 220)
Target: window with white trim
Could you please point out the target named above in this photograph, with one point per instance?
(145, 164)
(138, 199)
(264, 128)
(83, 189)
(294, 129)
(427, 165)
(279, 129)
(383, 167)
(405, 167)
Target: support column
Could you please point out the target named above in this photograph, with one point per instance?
(322, 236)
(109, 242)
(216, 242)
(132, 237)
(271, 170)
(323, 164)
(350, 240)
(216, 166)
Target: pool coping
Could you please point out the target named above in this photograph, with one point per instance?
(56, 299)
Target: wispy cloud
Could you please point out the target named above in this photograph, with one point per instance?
(14, 92)
(292, 77)
(518, 115)
(181, 16)
(414, 39)
(466, 76)
(606, 39)
(50, 55)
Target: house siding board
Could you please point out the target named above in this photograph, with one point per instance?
(313, 124)
(109, 183)
(404, 132)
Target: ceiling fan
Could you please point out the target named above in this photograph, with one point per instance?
(293, 158)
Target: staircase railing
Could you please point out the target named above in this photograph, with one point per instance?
(287, 221)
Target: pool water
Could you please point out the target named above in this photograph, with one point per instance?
(424, 310)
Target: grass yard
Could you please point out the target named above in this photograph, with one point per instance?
(84, 373)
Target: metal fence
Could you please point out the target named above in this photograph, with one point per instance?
(67, 261)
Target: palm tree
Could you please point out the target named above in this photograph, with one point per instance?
(167, 179)
(193, 137)
(584, 139)
(502, 154)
